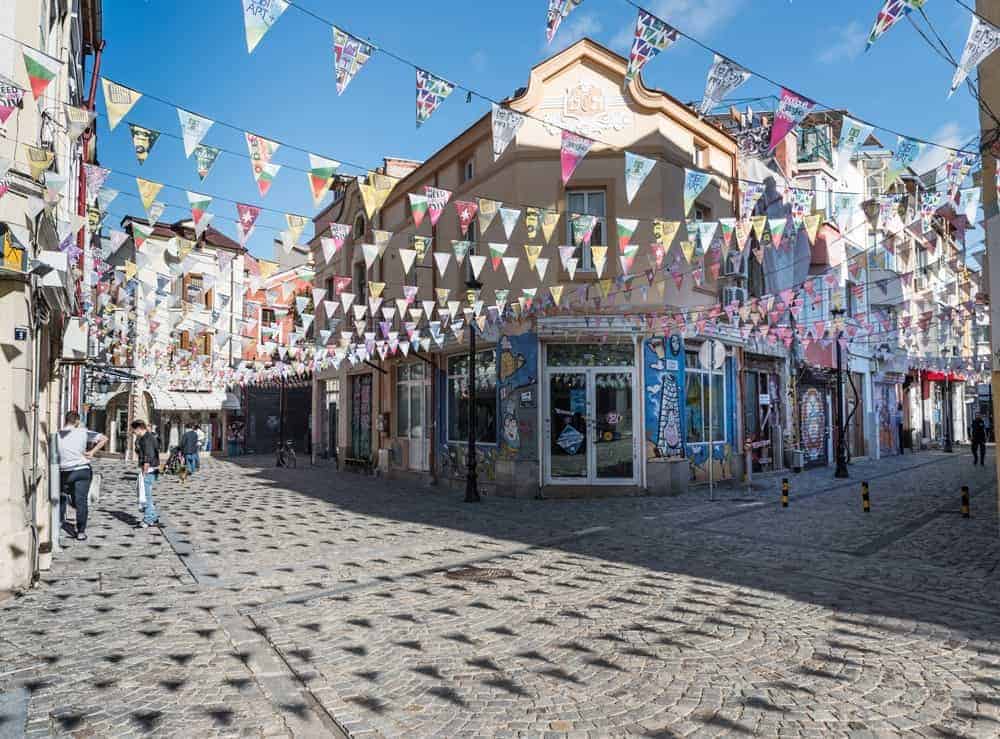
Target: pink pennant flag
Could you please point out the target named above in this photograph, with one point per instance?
(572, 151)
(792, 108)
(466, 214)
(247, 218)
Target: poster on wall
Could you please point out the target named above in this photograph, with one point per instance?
(663, 368)
(518, 384)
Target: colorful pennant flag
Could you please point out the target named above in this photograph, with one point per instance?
(261, 150)
(95, 177)
(792, 108)
(983, 40)
(724, 76)
(11, 97)
(652, 35)
(148, 190)
(41, 69)
(418, 208)
(695, 182)
(582, 226)
(437, 199)
(891, 12)
(204, 157)
(906, 153)
(431, 92)
(506, 123)
(626, 227)
(118, 100)
(321, 174)
(78, 120)
(199, 211)
(637, 169)
(143, 140)
(258, 17)
(573, 149)
(351, 54)
(853, 135)
(665, 231)
(466, 213)
(246, 220)
(558, 9)
(193, 130)
(487, 212)
(509, 218)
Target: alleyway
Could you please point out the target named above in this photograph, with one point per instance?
(309, 602)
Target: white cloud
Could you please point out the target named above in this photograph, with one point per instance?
(850, 42)
(573, 28)
(698, 18)
(478, 60)
(950, 134)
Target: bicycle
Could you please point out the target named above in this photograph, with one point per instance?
(286, 455)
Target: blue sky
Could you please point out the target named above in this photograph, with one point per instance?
(194, 54)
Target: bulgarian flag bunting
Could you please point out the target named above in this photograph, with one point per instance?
(199, 211)
(321, 174)
(41, 69)
(261, 150)
(418, 208)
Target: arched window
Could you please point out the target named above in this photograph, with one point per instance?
(359, 226)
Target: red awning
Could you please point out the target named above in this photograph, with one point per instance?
(935, 376)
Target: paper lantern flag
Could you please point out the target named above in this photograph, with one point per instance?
(573, 149)
(41, 69)
(431, 92)
(321, 174)
(10, 98)
(792, 108)
(193, 130)
(351, 54)
(261, 150)
(723, 77)
(652, 35)
(118, 100)
(984, 39)
(258, 17)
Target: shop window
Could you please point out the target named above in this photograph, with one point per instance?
(586, 202)
(696, 414)
(484, 395)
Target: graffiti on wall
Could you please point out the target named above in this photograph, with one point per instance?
(663, 370)
(813, 409)
(454, 462)
(518, 387)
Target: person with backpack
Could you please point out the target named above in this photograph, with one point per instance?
(75, 472)
(148, 450)
(979, 441)
(190, 448)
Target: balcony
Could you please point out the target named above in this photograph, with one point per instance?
(814, 146)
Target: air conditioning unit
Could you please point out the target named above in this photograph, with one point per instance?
(734, 295)
(735, 265)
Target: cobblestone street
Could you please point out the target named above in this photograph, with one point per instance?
(308, 602)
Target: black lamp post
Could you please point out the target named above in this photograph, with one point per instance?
(947, 404)
(471, 478)
(841, 450)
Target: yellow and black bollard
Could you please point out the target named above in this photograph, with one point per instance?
(965, 501)
(784, 492)
(866, 504)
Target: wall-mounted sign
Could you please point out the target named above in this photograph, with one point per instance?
(20, 333)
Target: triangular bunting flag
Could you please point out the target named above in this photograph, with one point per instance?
(204, 157)
(351, 54)
(509, 218)
(418, 208)
(142, 141)
(118, 100)
(506, 123)
(321, 174)
(437, 199)
(193, 130)
(148, 190)
(652, 35)
(258, 17)
(41, 69)
(573, 149)
(431, 92)
(695, 183)
(637, 169)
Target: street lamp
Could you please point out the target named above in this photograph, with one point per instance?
(471, 480)
(947, 402)
(841, 451)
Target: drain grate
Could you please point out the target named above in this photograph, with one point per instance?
(478, 574)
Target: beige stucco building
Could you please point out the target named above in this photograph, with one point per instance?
(564, 395)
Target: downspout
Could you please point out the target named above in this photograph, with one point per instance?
(36, 398)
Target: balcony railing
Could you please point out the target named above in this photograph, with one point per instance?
(814, 145)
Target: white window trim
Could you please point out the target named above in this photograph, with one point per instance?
(725, 402)
(464, 375)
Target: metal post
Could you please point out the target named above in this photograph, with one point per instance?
(841, 451)
(711, 445)
(784, 492)
(965, 502)
(471, 481)
(281, 414)
(947, 416)
(866, 504)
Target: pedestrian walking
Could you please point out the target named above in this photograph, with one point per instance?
(979, 440)
(75, 472)
(201, 444)
(148, 451)
(190, 448)
(899, 425)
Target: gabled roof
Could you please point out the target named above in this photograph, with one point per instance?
(185, 229)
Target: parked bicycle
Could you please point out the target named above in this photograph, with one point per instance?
(286, 455)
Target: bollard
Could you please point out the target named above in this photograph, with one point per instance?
(784, 492)
(866, 504)
(965, 501)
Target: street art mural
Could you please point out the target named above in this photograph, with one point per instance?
(517, 381)
(663, 372)
(813, 409)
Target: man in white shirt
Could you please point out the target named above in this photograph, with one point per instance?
(75, 472)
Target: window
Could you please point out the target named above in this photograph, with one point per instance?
(410, 393)
(696, 413)
(701, 212)
(205, 344)
(586, 202)
(485, 397)
(701, 155)
(359, 226)
(850, 303)
(185, 340)
(267, 317)
(360, 281)
(468, 169)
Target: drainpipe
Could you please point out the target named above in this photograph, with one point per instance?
(36, 398)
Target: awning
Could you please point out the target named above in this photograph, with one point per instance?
(935, 376)
(175, 400)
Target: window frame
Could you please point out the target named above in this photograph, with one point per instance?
(468, 171)
(586, 263)
(359, 234)
(450, 376)
(692, 368)
(408, 382)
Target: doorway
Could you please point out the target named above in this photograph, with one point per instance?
(591, 423)
(361, 417)
(411, 414)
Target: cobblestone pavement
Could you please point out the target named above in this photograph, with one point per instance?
(309, 602)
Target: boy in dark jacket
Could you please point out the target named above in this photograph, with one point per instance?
(147, 449)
